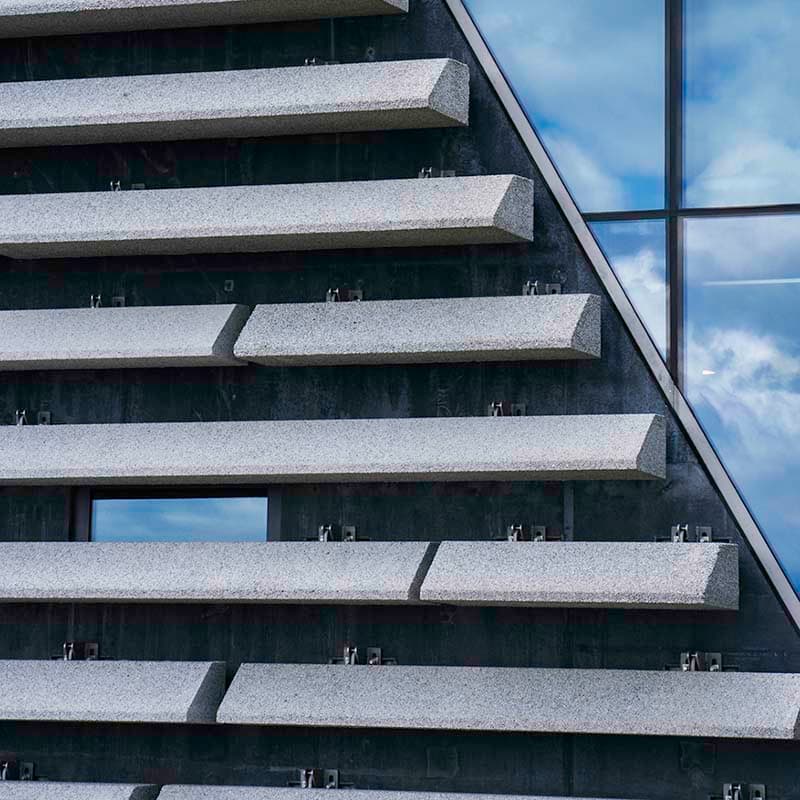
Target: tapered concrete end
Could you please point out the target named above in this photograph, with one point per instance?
(423, 331)
(615, 447)
(56, 17)
(426, 93)
(118, 338)
(396, 213)
(586, 701)
(347, 573)
(585, 574)
(111, 691)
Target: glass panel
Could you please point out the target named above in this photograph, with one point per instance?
(590, 75)
(180, 519)
(637, 254)
(743, 362)
(742, 126)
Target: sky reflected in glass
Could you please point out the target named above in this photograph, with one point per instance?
(637, 254)
(182, 519)
(590, 75)
(743, 362)
(742, 123)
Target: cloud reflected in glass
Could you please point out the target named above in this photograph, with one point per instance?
(180, 519)
(590, 75)
(743, 361)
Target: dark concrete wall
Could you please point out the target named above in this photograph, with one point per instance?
(760, 637)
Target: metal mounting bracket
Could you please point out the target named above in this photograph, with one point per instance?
(318, 62)
(431, 172)
(374, 657)
(744, 791)
(118, 301)
(701, 662)
(679, 534)
(311, 778)
(502, 408)
(536, 288)
(96, 301)
(529, 533)
(20, 417)
(344, 295)
(11, 770)
(337, 533)
(79, 651)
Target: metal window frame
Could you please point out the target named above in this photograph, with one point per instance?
(82, 498)
(580, 228)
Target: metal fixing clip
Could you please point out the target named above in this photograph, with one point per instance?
(12, 770)
(701, 662)
(317, 779)
(374, 657)
(537, 288)
(431, 172)
(680, 534)
(20, 417)
(96, 301)
(337, 533)
(744, 791)
(502, 408)
(80, 651)
(529, 533)
(344, 295)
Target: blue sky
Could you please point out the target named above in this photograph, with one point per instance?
(590, 74)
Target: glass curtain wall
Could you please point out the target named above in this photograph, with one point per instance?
(674, 123)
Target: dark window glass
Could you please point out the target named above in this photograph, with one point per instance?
(590, 76)
(742, 98)
(743, 362)
(179, 519)
(637, 254)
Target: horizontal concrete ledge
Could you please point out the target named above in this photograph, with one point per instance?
(310, 451)
(115, 338)
(272, 572)
(47, 790)
(261, 102)
(308, 216)
(591, 701)
(580, 574)
(280, 793)
(55, 17)
(423, 331)
(111, 691)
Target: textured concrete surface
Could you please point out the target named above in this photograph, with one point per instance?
(426, 93)
(456, 448)
(579, 574)
(45, 17)
(99, 338)
(417, 331)
(623, 702)
(394, 213)
(272, 572)
(111, 691)
(280, 793)
(47, 790)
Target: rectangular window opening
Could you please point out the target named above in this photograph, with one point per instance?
(189, 518)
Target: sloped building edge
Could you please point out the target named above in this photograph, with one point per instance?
(719, 477)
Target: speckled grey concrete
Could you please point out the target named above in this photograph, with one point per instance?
(46, 17)
(419, 331)
(309, 216)
(622, 702)
(309, 451)
(426, 93)
(280, 793)
(111, 691)
(47, 790)
(100, 338)
(269, 572)
(579, 574)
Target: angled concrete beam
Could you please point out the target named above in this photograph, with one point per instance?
(111, 691)
(50, 790)
(585, 574)
(423, 331)
(56, 17)
(116, 338)
(281, 793)
(594, 701)
(428, 93)
(308, 216)
(614, 447)
(372, 573)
